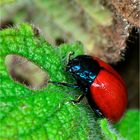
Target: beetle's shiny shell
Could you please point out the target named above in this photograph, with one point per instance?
(109, 92)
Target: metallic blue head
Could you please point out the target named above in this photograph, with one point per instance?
(84, 69)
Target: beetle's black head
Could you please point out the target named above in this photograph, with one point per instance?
(84, 69)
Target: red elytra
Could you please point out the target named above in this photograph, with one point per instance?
(109, 92)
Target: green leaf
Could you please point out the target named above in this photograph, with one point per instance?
(129, 125)
(47, 113)
(109, 131)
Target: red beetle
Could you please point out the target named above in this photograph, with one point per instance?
(109, 92)
(101, 84)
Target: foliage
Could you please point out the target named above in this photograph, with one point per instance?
(129, 125)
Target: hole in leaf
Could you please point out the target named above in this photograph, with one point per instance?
(26, 72)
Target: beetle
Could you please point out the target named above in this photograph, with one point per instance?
(101, 84)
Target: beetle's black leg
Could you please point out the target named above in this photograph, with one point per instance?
(98, 112)
(64, 84)
(78, 99)
(69, 85)
(94, 106)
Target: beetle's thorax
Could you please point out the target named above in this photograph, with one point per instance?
(84, 69)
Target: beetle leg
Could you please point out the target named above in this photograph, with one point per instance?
(94, 107)
(78, 99)
(98, 112)
(64, 84)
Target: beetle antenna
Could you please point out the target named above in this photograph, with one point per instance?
(69, 56)
(63, 84)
